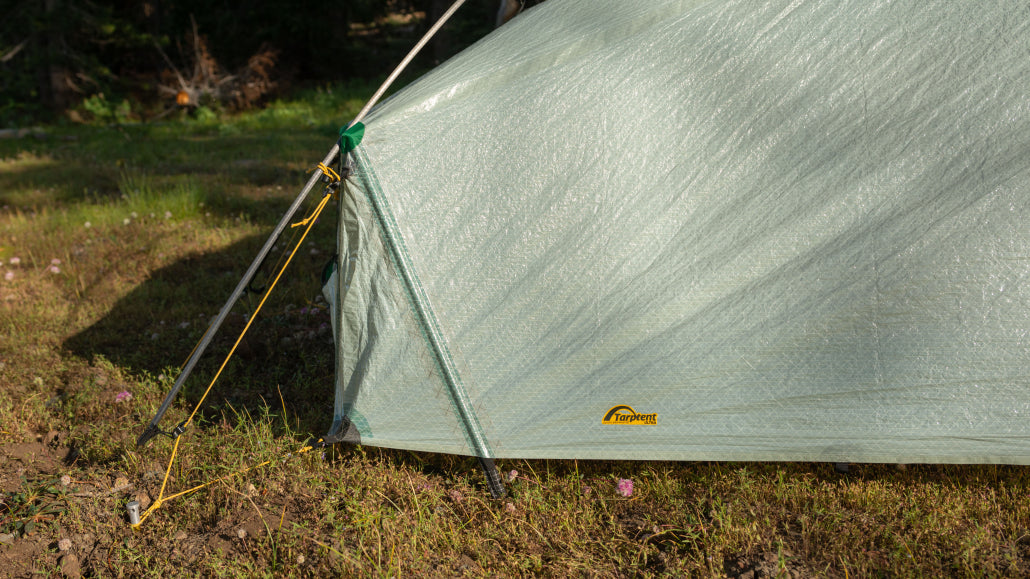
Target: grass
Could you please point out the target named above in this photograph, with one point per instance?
(128, 240)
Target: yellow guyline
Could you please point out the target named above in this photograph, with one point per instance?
(309, 222)
(334, 177)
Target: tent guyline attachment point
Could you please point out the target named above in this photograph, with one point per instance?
(332, 180)
(329, 177)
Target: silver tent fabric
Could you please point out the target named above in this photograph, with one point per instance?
(788, 230)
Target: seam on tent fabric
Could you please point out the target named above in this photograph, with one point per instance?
(420, 303)
(342, 260)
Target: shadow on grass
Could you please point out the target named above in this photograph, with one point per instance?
(286, 352)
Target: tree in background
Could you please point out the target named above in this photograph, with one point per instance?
(54, 52)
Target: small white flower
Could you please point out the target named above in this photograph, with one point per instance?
(168, 214)
(87, 225)
(134, 215)
(126, 221)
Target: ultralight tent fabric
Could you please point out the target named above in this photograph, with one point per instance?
(789, 229)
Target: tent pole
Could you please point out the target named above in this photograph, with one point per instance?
(152, 430)
(493, 478)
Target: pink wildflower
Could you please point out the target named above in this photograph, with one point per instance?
(54, 269)
(625, 487)
(123, 396)
(9, 275)
(511, 475)
(55, 261)
(455, 496)
(14, 260)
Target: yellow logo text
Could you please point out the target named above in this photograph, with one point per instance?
(625, 415)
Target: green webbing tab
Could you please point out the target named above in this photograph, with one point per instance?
(350, 137)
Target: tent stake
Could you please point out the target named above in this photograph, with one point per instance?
(493, 478)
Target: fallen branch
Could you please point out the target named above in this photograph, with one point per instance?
(14, 51)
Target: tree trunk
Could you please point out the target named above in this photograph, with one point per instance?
(51, 77)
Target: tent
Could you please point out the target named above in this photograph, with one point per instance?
(791, 230)
(788, 230)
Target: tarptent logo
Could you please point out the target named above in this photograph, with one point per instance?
(625, 415)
